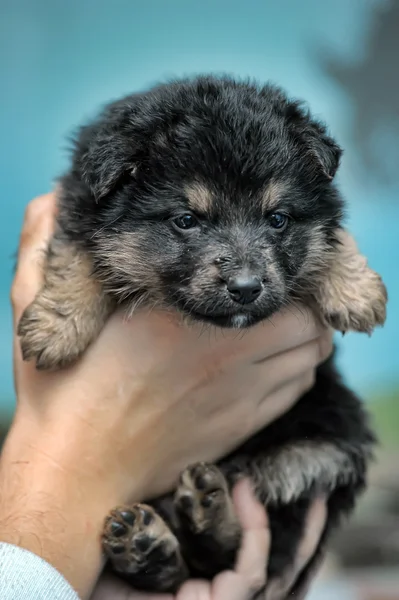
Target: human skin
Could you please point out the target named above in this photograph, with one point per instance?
(148, 397)
(249, 574)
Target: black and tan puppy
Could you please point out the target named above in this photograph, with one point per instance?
(216, 198)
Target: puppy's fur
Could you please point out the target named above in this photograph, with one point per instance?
(252, 175)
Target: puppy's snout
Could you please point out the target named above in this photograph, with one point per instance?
(244, 289)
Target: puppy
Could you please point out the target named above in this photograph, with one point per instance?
(216, 198)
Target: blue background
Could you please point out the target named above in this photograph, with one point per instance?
(60, 60)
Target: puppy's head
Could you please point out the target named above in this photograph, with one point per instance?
(211, 196)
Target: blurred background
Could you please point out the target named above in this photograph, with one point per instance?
(60, 61)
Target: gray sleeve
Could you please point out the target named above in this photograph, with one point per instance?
(25, 576)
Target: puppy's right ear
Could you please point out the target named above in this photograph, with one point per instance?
(320, 147)
(103, 155)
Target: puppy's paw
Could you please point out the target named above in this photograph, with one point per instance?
(48, 336)
(139, 543)
(203, 500)
(69, 311)
(351, 296)
(360, 306)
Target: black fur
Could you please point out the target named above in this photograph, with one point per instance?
(129, 175)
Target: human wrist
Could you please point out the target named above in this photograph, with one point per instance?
(46, 507)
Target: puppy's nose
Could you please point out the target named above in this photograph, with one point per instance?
(244, 289)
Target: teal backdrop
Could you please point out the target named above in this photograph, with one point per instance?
(60, 60)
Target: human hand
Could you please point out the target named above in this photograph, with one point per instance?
(103, 432)
(189, 382)
(249, 575)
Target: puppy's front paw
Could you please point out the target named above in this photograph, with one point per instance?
(48, 336)
(351, 296)
(359, 306)
(139, 543)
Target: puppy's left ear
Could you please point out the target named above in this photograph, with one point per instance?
(314, 137)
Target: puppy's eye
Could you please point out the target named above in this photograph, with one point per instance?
(185, 222)
(278, 220)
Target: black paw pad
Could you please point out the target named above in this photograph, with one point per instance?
(128, 516)
(200, 481)
(118, 529)
(119, 549)
(143, 543)
(146, 516)
(186, 502)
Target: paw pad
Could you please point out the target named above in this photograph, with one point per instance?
(137, 541)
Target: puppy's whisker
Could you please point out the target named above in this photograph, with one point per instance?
(104, 227)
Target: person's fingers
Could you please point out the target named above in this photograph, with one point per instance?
(277, 589)
(293, 326)
(315, 524)
(303, 586)
(255, 543)
(290, 328)
(282, 399)
(36, 232)
(249, 575)
(288, 366)
(294, 374)
(231, 585)
(194, 590)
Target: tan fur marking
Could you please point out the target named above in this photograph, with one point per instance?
(125, 260)
(68, 312)
(285, 475)
(272, 195)
(319, 254)
(352, 296)
(199, 198)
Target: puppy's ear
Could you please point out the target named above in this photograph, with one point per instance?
(325, 150)
(103, 157)
(313, 136)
